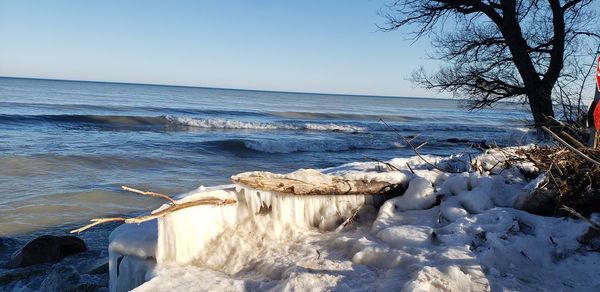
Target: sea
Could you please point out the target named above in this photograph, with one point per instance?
(66, 147)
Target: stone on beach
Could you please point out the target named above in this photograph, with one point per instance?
(46, 249)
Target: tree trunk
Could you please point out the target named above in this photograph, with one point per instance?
(539, 91)
(540, 102)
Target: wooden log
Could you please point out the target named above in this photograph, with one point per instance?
(571, 140)
(335, 185)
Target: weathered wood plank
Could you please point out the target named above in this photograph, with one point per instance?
(334, 186)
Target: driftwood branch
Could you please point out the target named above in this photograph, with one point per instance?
(337, 186)
(575, 150)
(172, 208)
(152, 194)
(97, 221)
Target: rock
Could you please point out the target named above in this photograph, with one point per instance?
(70, 245)
(46, 249)
(86, 287)
(61, 278)
(9, 276)
(536, 199)
(103, 269)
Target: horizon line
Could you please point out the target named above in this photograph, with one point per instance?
(221, 88)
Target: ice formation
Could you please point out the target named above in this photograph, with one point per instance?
(183, 233)
(447, 232)
(131, 254)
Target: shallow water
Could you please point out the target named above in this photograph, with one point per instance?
(66, 147)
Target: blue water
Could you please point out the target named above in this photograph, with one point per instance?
(67, 146)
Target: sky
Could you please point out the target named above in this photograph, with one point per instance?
(320, 46)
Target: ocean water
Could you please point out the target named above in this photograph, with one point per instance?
(67, 146)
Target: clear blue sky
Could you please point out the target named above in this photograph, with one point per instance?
(311, 46)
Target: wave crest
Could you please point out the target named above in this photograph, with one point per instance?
(236, 124)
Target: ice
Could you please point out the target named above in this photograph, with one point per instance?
(181, 234)
(133, 271)
(131, 254)
(134, 239)
(446, 232)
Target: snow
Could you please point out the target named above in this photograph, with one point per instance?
(448, 232)
(529, 190)
(419, 195)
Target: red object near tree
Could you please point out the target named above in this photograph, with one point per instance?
(594, 111)
(597, 76)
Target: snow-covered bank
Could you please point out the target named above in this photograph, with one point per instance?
(456, 232)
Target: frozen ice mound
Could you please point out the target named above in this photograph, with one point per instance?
(447, 232)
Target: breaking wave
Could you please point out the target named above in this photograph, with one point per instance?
(163, 121)
(171, 122)
(236, 124)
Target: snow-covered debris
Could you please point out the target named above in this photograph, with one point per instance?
(447, 232)
(419, 195)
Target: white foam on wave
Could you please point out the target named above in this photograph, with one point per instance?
(236, 124)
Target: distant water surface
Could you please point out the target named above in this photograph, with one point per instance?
(67, 146)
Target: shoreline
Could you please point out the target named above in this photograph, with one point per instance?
(440, 222)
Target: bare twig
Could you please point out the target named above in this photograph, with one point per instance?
(410, 168)
(421, 145)
(161, 213)
(348, 221)
(97, 221)
(413, 138)
(152, 194)
(391, 166)
(595, 225)
(415, 149)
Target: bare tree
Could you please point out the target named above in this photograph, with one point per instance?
(499, 49)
